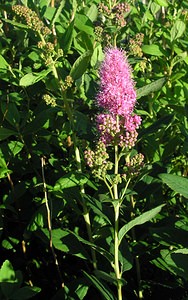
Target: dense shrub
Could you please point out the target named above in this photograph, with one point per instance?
(76, 181)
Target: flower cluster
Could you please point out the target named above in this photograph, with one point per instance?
(118, 124)
(117, 93)
(68, 82)
(31, 18)
(49, 100)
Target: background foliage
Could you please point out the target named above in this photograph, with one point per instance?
(50, 55)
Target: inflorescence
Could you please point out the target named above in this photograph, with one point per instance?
(118, 124)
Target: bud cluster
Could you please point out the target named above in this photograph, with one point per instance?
(49, 54)
(120, 10)
(103, 9)
(135, 164)
(112, 17)
(98, 33)
(68, 82)
(107, 127)
(49, 100)
(98, 160)
(122, 132)
(128, 139)
(31, 18)
(135, 45)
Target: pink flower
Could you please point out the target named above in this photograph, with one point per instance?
(132, 123)
(116, 93)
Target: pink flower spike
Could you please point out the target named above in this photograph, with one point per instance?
(117, 93)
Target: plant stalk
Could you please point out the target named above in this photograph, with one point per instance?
(116, 225)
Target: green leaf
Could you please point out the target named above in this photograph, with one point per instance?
(178, 58)
(32, 78)
(101, 287)
(83, 23)
(162, 2)
(97, 55)
(106, 276)
(11, 113)
(67, 242)
(177, 30)
(81, 291)
(97, 248)
(9, 287)
(7, 273)
(16, 24)
(80, 65)
(25, 292)
(145, 217)
(176, 183)
(15, 147)
(38, 122)
(68, 37)
(182, 251)
(5, 133)
(151, 87)
(57, 12)
(92, 12)
(3, 63)
(176, 262)
(160, 123)
(154, 8)
(70, 180)
(153, 49)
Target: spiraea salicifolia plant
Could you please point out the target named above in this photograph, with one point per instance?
(117, 126)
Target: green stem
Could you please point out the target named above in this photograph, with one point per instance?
(116, 252)
(125, 189)
(116, 225)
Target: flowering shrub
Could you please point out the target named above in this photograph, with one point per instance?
(93, 149)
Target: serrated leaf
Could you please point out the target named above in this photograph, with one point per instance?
(151, 87)
(145, 217)
(176, 183)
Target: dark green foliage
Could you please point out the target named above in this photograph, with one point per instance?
(48, 82)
